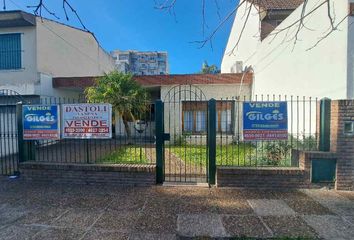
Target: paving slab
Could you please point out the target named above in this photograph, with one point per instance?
(10, 214)
(96, 234)
(270, 207)
(156, 223)
(58, 234)
(16, 232)
(149, 236)
(240, 226)
(200, 225)
(302, 203)
(77, 218)
(41, 215)
(347, 194)
(331, 227)
(289, 226)
(117, 221)
(231, 206)
(336, 203)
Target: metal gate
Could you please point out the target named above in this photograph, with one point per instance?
(8, 132)
(185, 119)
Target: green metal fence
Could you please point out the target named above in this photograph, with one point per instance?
(138, 148)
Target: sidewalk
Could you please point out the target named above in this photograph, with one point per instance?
(42, 211)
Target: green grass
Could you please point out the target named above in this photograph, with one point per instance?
(127, 155)
(225, 155)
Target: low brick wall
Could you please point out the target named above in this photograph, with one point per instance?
(115, 174)
(269, 178)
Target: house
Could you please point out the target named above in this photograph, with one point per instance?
(33, 50)
(141, 63)
(312, 62)
(185, 100)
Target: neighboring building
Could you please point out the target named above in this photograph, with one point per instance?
(141, 63)
(306, 68)
(33, 50)
(185, 98)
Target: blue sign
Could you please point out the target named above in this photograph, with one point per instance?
(40, 122)
(265, 121)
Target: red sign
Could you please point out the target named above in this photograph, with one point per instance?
(267, 135)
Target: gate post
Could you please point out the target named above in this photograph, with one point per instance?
(211, 139)
(160, 140)
(20, 141)
(325, 124)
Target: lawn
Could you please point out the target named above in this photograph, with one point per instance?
(233, 154)
(242, 154)
(127, 155)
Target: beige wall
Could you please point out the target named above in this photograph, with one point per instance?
(173, 107)
(64, 51)
(23, 80)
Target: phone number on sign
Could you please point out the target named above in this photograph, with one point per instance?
(86, 130)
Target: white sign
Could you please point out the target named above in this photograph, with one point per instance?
(87, 121)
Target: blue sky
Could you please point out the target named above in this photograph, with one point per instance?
(136, 24)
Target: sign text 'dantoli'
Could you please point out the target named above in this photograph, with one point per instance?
(87, 121)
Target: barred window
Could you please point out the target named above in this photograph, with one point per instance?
(10, 51)
(194, 117)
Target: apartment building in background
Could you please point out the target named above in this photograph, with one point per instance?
(141, 63)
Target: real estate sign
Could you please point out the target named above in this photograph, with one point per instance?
(87, 121)
(40, 122)
(265, 121)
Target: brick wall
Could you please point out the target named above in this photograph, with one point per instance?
(272, 178)
(342, 111)
(131, 175)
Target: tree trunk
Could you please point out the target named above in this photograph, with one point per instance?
(127, 129)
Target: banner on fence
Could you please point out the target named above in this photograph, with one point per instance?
(265, 121)
(87, 121)
(41, 122)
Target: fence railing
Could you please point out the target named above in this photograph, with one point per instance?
(233, 150)
(188, 146)
(137, 147)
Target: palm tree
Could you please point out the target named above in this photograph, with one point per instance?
(128, 98)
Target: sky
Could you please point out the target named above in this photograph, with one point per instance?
(138, 25)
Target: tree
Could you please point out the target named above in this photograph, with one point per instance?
(212, 69)
(129, 99)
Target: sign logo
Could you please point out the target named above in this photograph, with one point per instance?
(86, 121)
(265, 121)
(40, 122)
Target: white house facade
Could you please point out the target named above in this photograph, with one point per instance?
(314, 61)
(34, 50)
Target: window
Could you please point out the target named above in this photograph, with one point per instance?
(10, 51)
(123, 57)
(194, 117)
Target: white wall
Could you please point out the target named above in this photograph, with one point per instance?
(46, 90)
(281, 67)
(23, 80)
(64, 51)
(249, 41)
(350, 82)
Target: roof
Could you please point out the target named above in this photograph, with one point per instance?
(16, 19)
(278, 4)
(160, 80)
